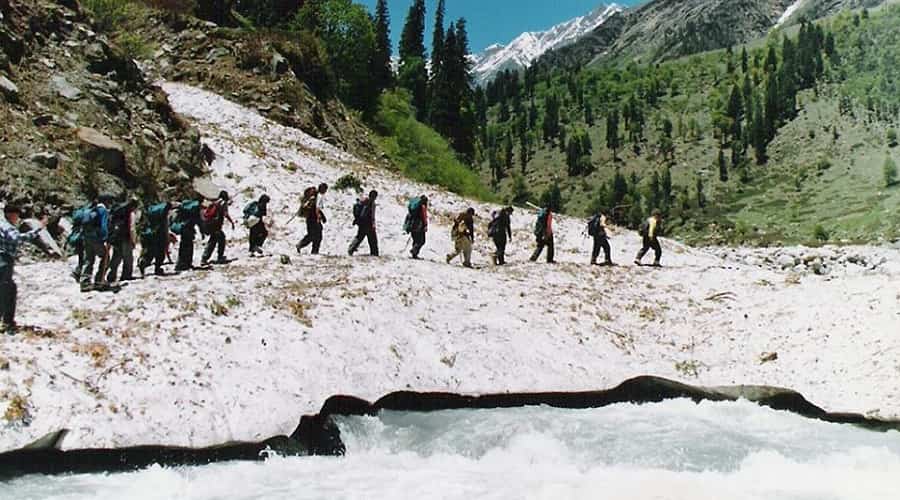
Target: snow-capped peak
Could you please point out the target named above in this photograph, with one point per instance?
(528, 46)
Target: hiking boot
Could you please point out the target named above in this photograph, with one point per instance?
(159, 271)
(637, 262)
(656, 264)
(449, 258)
(9, 328)
(467, 264)
(222, 260)
(87, 287)
(607, 263)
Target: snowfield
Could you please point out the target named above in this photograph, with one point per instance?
(241, 352)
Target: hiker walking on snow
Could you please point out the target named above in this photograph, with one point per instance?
(416, 223)
(122, 240)
(154, 238)
(463, 235)
(312, 208)
(597, 228)
(543, 233)
(649, 232)
(254, 218)
(364, 219)
(10, 239)
(214, 216)
(500, 230)
(96, 246)
(187, 218)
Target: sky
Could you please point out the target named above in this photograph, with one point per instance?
(494, 21)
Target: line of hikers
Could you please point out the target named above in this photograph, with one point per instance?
(105, 232)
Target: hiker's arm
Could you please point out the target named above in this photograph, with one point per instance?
(33, 235)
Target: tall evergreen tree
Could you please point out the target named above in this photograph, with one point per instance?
(613, 140)
(735, 112)
(382, 74)
(723, 167)
(413, 73)
(437, 40)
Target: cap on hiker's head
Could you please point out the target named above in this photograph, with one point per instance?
(223, 195)
(373, 194)
(424, 199)
(12, 208)
(470, 211)
(264, 199)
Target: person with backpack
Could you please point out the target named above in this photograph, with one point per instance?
(463, 235)
(214, 216)
(416, 223)
(364, 220)
(75, 240)
(649, 231)
(10, 239)
(187, 218)
(96, 246)
(543, 233)
(597, 228)
(500, 230)
(312, 209)
(155, 238)
(122, 241)
(254, 218)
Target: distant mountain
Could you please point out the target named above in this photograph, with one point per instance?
(527, 47)
(667, 29)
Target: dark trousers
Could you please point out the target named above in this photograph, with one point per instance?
(185, 250)
(216, 242)
(153, 252)
(258, 235)
(601, 241)
(418, 238)
(500, 255)
(8, 292)
(94, 252)
(648, 244)
(365, 233)
(122, 254)
(545, 241)
(313, 236)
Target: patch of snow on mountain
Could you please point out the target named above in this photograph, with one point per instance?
(527, 47)
(789, 12)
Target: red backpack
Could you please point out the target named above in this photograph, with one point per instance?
(209, 217)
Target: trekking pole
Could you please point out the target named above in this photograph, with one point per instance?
(407, 243)
(532, 205)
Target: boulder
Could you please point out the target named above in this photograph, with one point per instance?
(102, 149)
(9, 89)
(45, 159)
(785, 261)
(11, 45)
(217, 53)
(64, 88)
(279, 64)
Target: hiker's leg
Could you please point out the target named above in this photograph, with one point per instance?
(467, 252)
(87, 271)
(102, 265)
(538, 249)
(185, 251)
(354, 245)
(644, 248)
(418, 238)
(7, 296)
(79, 265)
(208, 250)
(127, 260)
(457, 248)
(604, 242)
(159, 253)
(373, 242)
(114, 262)
(595, 251)
(316, 237)
(263, 235)
(657, 250)
(550, 252)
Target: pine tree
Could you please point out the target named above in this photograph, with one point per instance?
(735, 112)
(666, 184)
(613, 140)
(744, 61)
(701, 197)
(723, 168)
(771, 115)
(758, 133)
(413, 73)
(508, 152)
(551, 117)
(437, 40)
(588, 113)
(382, 74)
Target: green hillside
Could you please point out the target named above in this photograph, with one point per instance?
(803, 162)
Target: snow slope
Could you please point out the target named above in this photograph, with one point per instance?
(528, 46)
(789, 12)
(240, 352)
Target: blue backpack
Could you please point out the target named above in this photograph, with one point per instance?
(81, 217)
(413, 205)
(540, 225)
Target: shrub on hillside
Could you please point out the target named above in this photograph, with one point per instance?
(890, 171)
(892, 138)
(348, 181)
(252, 53)
(309, 61)
(179, 7)
(419, 151)
(109, 14)
(134, 45)
(820, 233)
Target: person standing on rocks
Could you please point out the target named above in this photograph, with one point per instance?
(649, 232)
(597, 229)
(312, 208)
(500, 230)
(255, 218)
(543, 233)
(364, 219)
(463, 235)
(10, 239)
(122, 240)
(213, 217)
(416, 223)
(96, 246)
(155, 238)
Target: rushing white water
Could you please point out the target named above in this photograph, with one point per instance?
(671, 450)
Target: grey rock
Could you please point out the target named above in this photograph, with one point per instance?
(43, 120)
(9, 89)
(64, 88)
(45, 159)
(102, 149)
(279, 64)
(110, 102)
(786, 261)
(217, 53)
